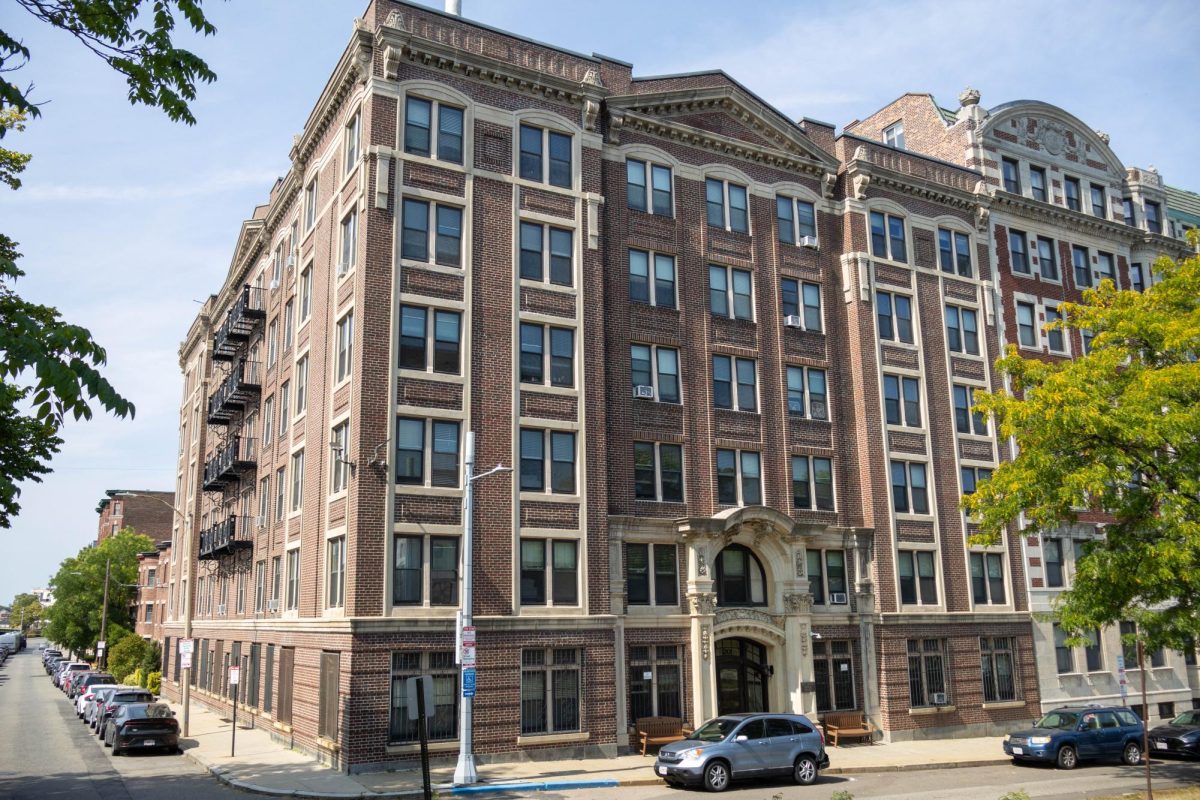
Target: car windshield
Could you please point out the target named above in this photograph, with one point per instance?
(148, 711)
(1062, 720)
(1187, 718)
(132, 698)
(714, 730)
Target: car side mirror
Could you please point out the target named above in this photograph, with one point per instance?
(742, 738)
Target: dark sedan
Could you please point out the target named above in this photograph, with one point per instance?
(1179, 737)
(142, 726)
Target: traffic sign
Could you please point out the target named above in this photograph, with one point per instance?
(468, 682)
(234, 673)
(468, 655)
(468, 635)
(185, 660)
(187, 646)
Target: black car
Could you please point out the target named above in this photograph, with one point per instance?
(142, 726)
(115, 701)
(1179, 737)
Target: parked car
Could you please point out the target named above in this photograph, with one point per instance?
(87, 683)
(115, 701)
(1068, 735)
(71, 681)
(11, 642)
(48, 654)
(1179, 737)
(737, 746)
(100, 696)
(67, 668)
(138, 726)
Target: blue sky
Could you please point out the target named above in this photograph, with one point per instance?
(126, 218)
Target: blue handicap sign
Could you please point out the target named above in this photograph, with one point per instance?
(468, 681)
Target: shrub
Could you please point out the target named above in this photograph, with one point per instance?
(841, 794)
(154, 682)
(1018, 794)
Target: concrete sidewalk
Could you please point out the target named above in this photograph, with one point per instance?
(265, 766)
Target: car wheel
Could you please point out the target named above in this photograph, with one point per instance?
(804, 771)
(1132, 754)
(716, 776)
(1067, 757)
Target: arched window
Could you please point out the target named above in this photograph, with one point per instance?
(741, 580)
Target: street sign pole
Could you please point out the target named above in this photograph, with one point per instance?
(464, 771)
(422, 729)
(234, 676)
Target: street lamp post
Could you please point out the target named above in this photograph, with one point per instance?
(103, 654)
(464, 771)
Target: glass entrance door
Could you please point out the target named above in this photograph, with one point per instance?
(741, 676)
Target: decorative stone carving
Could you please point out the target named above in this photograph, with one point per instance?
(701, 562)
(615, 123)
(703, 603)
(860, 153)
(591, 110)
(395, 20)
(705, 642)
(828, 183)
(1104, 137)
(859, 185)
(800, 565)
(969, 97)
(391, 61)
(727, 615)
(592, 78)
(982, 214)
(797, 603)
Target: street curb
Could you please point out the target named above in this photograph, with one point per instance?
(980, 762)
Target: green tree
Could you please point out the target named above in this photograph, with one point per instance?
(26, 611)
(1114, 431)
(75, 617)
(50, 369)
(126, 655)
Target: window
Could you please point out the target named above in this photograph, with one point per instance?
(555, 474)
(339, 458)
(335, 572)
(1104, 265)
(413, 579)
(827, 576)
(987, 578)
(741, 580)
(285, 399)
(560, 571)
(350, 143)
(657, 368)
(1092, 652)
(797, 219)
(801, 300)
(442, 719)
(909, 491)
(893, 317)
(954, 252)
(654, 681)
(280, 492)
(441, 235)
(418, 130)
(1073, 193)
(926, 673)
(276, 578)
(289, 325)
(729, 292)
(728, 371)
(1012, 175)
(546, 250)
(538, 361)
(833, 671)
(965, 419)
(345, 347)
(998, 665)
(1052, 560)
(739, 478)
(1153, 217)
(264, 501)
(310, 204)
(329, 695)
(1046, 259)
(1027, 324)
(1137, 280)
(727, 205)
(1127, 211)
(430, 339)
(268, 424)
(545, 156)
(1018, 255)
(888, 239)
(293, 579)
(1099, 206)
(893, 135)
(659, 291)
(260, 585)
(812, 482)
(550, 690)
(272, 342)
(305, 294)
(301, 385)
(653, 195)
(813, 403)
(658, 472)
(297, 480)
(149, 615)
(1037, 183)
(1085, 337)
(644, 588)
(918, 577)
(349, 242)
(1064, 659)
(962, 330)
(1080, 265)
(427, 447)
(1054, 336)
(902, 400)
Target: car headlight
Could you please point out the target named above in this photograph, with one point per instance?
(1007, 736)
(692, 754)
(1039, 740)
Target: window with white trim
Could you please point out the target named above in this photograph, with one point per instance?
(285, 400)
(297, 480)
(349, 238)
(547, 461)
(445, 143)
(553, 563)
(430, 339)
(826, 571)
(1099, 203)
(335, 572)
(1047, 258)
(727, 205)
(306, 293)
(301, 385)
(280, 493)
(807, 393)
(431, 228)
(918, 577)
(739, 478)
(954, 252)
(268, 420)
(344, 354)
(1072, 193)
(910, 490)
(1027, 333)
(962, 330)
(1104, 266)
(801, 299)
(1018, 251)
(1011, 173)
(893, 135)
(655, 367)
(730, 292)
(996, 656)
(658, 472)
(310, 204)
(655, 688)
(339, 458)
(293, 579)
(657, 289)
(731, 373)
(651, 574)
(1081, 267)
(546, 252)
(972, 476)
(796, 219)
(351, 143)
(812, 483)
(648, 187)
(547, 355)
(289, 324)
(927, 673)
(442, 719)
(551, 690)
(264, 501)
(545, 156)
(987, 578)
(427, 452)
(272, 342)
(902, 400)
(888, 237)
(893, 317)
(966, 418)
(425, 566)
(833, 671)
(1054, 336)
(1037, 183)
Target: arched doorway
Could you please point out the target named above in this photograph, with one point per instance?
(741, 676)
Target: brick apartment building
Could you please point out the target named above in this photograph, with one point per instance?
(148, 605)
(728, 355)
(146, 512)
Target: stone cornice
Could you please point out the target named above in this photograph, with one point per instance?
(354, 65)
(284, 196)
(1077, 221)
(863, 173)
(198, 332)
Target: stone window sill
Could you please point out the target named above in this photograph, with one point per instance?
(926, 711)
(410, 749)
(552, 738)
(1004, 704)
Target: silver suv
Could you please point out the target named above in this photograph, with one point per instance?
(738, 746)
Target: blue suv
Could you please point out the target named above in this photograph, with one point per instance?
(1068, 735)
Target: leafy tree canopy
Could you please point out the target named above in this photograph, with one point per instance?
(26, 611)
(1113, 435)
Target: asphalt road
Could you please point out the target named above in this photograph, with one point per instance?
(46, 753)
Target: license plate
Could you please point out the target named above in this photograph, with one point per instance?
(1017, 751)
(1160, 745)
(149, 742)
(662, 770)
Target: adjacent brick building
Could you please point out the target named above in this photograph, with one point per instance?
(146, 512)
(148, 605)
(726, 354)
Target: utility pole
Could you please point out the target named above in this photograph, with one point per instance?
(103, 655)
(1141, 654)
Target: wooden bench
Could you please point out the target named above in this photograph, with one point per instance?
(850, 724)
(657, 731)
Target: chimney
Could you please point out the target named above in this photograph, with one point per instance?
(454, 7)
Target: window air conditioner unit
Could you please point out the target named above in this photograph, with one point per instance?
(291, 261)
(220, 609)
(260, 521)
(343, 268)
(272, 605)
(938, 698)
(643, 391)
(274, 283)
(793, 321)
(810, 242)
(838, 598)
